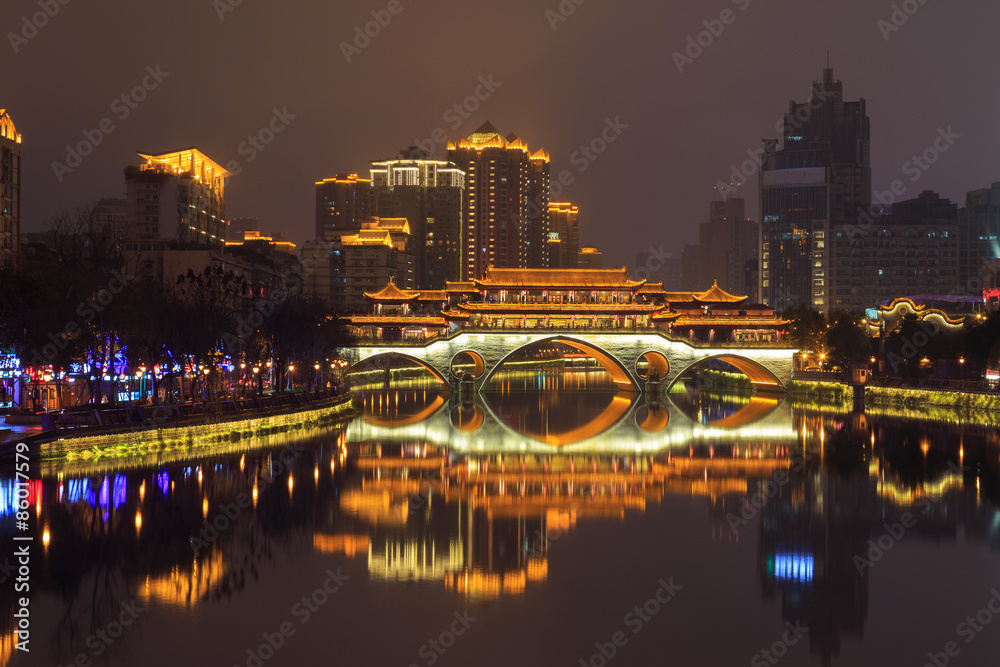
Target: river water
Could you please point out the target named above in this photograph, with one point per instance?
(552, 521)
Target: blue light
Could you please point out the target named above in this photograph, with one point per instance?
(163, 481)
(793, 566)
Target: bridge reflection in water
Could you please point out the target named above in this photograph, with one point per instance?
(484, 500)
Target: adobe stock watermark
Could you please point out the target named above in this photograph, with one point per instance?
(122, 107)
(635, 620)
(223, 7)
(899, 16)
(229, 513)
(714, 28)
(779, 649)
(968, 629)
(738, 175)
(562, 12)
(655, 259)
(456, 114)
(31, 25)
(256, 143)
(768, 489)
(433, 649)
(894, 532)
(303, 610)
(101, 640)
(88, 311)
(363, 36)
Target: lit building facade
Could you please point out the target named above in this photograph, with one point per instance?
(820, 179)
(589, 258)
(913, 249)
(429, 194)
(564, 220)
(506, 208)
(342, 204)
(175, 197)
(382, 251)
(10, 193)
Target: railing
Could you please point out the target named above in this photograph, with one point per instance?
(574, 331)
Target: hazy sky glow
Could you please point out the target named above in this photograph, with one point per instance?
(225, 70)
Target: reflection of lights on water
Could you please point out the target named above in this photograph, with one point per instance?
(199, 474)
(204, 506)
(316, 473)
(142, 491)
(793, 566)
(138, 520)
(46, 537)
(255, 493)
(291, 483)
(163, 481)
(242, 461)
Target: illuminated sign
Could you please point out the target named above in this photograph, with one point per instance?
(9, 362)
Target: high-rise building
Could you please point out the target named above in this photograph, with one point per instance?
(564, 221)
(979, 235)
(428, 193)
(728, 242)
(342, 204)
(820, 179)
(911, 249)
(382, 250)
(589, 258)
(10, 193)
(690, 274)
(175, 197)
(506, 208)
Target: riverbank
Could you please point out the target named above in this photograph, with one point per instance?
(152, 438)
(938, 405)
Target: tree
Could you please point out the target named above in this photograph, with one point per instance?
(847, 340)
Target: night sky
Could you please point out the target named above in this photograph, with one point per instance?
(556, 89)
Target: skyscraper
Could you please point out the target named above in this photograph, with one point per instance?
(178, 196)
(342, 204)
(506, 208)
(979, 234)
(818, 180)
(10, 193)
(428, 193)
(564, 220)
(727, 242)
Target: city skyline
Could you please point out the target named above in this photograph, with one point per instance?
(710, 113)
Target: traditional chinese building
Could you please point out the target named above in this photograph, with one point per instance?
(593, 299)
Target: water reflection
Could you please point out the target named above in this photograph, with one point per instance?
(474, 499)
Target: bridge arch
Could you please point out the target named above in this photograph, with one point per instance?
(420, 362)
(620, 375)
(479, 365)
(760, 376)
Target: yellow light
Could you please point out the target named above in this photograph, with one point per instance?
(142, 491)
(204, 506)
(199, 475)
(46, 537)
(291, 483)
(138, 520)
(316, 473)
(242, 461)
(255, 493)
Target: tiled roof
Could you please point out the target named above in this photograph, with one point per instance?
(542, 279)
(392, 293)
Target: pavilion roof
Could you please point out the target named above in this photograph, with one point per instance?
(546, 279)
(718, 295)
(392, 294)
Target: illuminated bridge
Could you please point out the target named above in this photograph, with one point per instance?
(629, 356)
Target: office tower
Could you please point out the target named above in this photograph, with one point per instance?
(10, 193)
(428, 193)
(342, 204)
(382, 250)
(589, 258)
(820, 179)
(728, 241)
(506, 212)
(176, 197)
(690, 275)
(979, 236)
(910, 250)
(564, 221)
(655, 266)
